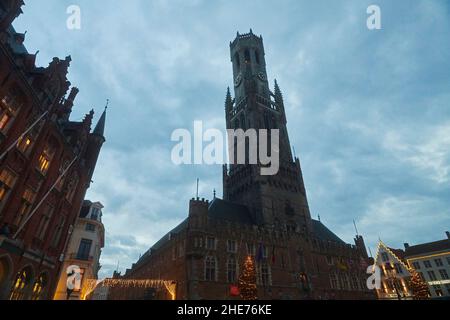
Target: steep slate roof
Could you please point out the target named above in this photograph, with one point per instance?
(322, 232)
(17, 47)
(229, 211)
(429, 247)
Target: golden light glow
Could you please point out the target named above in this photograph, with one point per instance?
(89, 285)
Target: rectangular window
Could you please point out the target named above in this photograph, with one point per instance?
(25, 207)
(45, 220)
(427, 264)
(231, 270)
(385, 257)
(444, 274)
(211, 243)
(90, 227)
(422, 276)
(210, 269)
(447, 286)
(398, 268)
(333, 281)
(438, 290)
(448, 261)
(264, 272)
(329, 260)
(9, 107)
(416, 265)
(7, 182)
(438, 262)
(58, 232)
(250, 249)
(231, 246)
(45, 159)
(432, 275)
(84, 249)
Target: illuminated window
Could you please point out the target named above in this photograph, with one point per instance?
(9, 107)
(39, 287)
(20, 285)
(210, 269)
(231, 270)
(45, 159)
(25, 208)
(44, 221)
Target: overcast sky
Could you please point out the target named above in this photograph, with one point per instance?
(368, 111)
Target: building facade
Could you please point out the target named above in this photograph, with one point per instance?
(432, 261)
(84, 249)
(46, 164)
(266, 217)
(395, 274)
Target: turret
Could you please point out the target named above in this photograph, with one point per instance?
(95, 143)
(9, 10)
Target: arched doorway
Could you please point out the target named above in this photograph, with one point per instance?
(5, 276)
(40, 287)
(21, 284)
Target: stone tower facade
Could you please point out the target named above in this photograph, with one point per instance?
(280, 200)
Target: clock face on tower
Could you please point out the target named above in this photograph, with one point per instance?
(262, 76)
(238, 80)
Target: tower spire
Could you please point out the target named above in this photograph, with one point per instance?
(100, 127)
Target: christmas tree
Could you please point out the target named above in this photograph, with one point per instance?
(247, 280)
(418, 287)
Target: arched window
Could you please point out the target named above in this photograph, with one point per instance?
(257, 57)
(237, 60)
(231, 270)
(39, 287)
(21, 284)
(247, 56)
(210, 269)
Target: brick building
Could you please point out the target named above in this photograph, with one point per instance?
(264, 216)
(46, 164)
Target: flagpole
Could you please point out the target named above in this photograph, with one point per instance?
(22, 135)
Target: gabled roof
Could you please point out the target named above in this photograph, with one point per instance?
(397, 254)
(426, 248)
(323, 233)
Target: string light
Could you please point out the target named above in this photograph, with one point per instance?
(90, 285)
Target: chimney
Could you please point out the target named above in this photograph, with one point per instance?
(448, 234)
(406, 244)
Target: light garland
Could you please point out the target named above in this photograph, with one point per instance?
(89, 285)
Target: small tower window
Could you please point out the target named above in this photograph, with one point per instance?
(237, 60)
(247, 56)
(257, 56)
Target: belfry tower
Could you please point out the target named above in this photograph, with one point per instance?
(280, 200)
